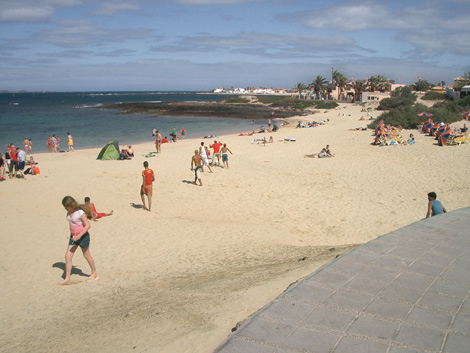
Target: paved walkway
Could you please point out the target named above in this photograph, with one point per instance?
(407, 291)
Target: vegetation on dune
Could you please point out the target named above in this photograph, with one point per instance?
(295, 103)
(402, 110)
(434, 96)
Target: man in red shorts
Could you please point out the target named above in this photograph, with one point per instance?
(147, 188)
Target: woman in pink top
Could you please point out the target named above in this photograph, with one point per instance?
(79, 236)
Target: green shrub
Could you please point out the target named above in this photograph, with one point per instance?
(236, 100)
(325, 105)
(394, 102)
(434, 96)
(302, 104)
(277, 100)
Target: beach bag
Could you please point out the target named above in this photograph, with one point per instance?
(35, 170)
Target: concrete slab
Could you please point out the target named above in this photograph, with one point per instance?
(407, 291)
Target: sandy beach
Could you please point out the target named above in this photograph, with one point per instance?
(179, 279)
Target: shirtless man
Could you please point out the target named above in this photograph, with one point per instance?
(90, 210)
(158, 142)
(225, 155)
(26, 143)
(196, 162)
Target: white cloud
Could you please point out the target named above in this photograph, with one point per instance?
(216, 2)
(84, 35)
(31, 10)
(264, 44)
(109, 8)
(25, 14)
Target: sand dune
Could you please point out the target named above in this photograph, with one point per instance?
(179, 278)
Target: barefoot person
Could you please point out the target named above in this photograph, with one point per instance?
(196, 165)
(204, 155)
(225, 155)
(79, 237)
(158, 142)
(147, 188)
(90, 210)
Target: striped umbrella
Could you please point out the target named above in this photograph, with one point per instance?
(444, 137)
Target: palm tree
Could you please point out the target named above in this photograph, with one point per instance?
(421, 85)
(319, 85)
(340, 81)
(300, 87)
(358, 86)
(378, 83)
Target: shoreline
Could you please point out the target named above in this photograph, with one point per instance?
(179, 278)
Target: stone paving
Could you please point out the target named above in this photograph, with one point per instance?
(407, 291)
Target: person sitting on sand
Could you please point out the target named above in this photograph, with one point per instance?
(434, 206)
(411, 140)
(130, 151)
(30, 161)
(90, 210)
(328, 152)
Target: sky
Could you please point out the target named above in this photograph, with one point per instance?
(200, 45)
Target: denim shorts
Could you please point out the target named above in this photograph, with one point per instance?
(83, 242)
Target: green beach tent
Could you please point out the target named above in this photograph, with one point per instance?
(110, 151)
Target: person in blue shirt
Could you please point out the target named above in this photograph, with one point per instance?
(434, 206)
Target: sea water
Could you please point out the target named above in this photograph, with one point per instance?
(38, 115)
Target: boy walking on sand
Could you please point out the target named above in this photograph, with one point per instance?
(434, 206)
(147, 188)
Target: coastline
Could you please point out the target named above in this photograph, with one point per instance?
(180, 278)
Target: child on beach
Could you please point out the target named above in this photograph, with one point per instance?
(434, 206)
(79, 237)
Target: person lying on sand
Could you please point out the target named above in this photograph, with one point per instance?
(322, 154)
(90, 210)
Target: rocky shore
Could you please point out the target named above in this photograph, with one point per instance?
(208, 109)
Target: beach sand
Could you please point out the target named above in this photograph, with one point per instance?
(180, 278)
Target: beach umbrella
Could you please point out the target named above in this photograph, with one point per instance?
(466, 115)
(433, 129)
(379, 131)
(444, 137)
(441, 129)
(427, 125)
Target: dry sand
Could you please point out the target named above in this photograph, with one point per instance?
(179, 278)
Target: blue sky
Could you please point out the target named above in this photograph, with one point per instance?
(82, 45)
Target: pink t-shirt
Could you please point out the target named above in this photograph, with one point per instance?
(76, 224)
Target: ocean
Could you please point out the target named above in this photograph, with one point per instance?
(38, 115)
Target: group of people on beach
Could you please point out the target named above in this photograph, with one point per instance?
(53, 143)
(201, 159)
(174, 136)
(14, 161)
